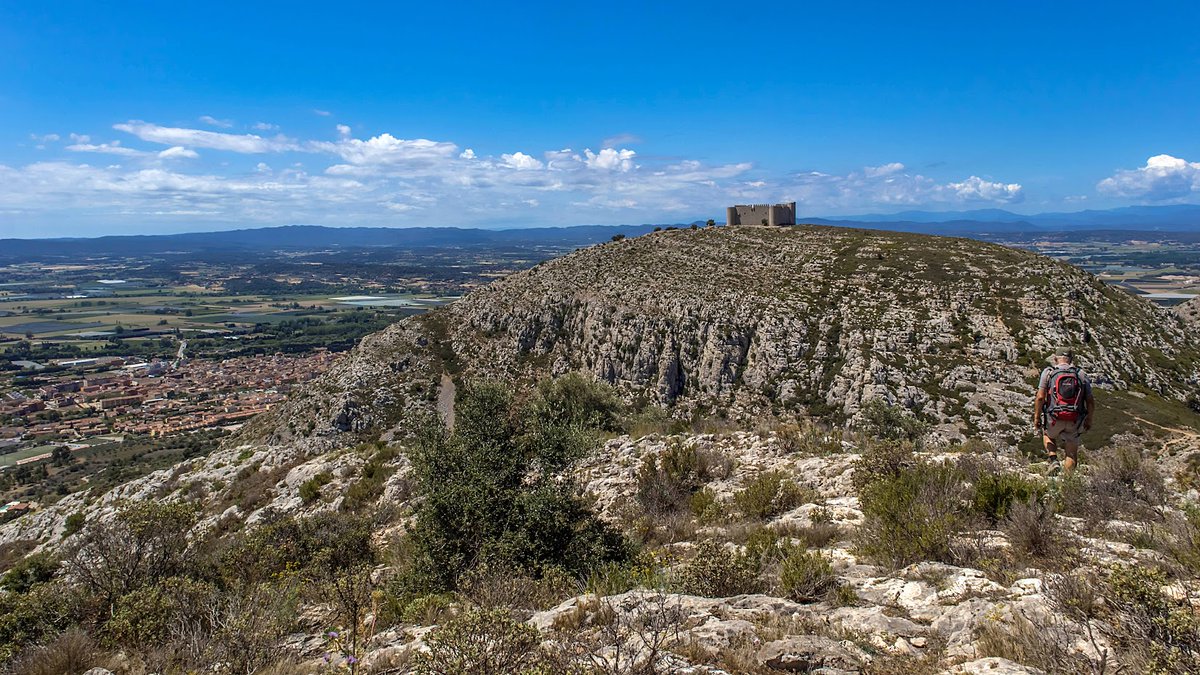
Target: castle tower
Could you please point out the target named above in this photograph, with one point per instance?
(731, 216)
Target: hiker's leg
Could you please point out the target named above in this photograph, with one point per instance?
(1049, 444)
(1070, 454)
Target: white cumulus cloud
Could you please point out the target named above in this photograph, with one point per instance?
(521, 161)
(609, 159)
(386, 149)
(1163, 178)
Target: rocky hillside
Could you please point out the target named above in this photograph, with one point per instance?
(761, 544)
(1189, 311)
(749, 321)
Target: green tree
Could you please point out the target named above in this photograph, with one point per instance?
(495, 488)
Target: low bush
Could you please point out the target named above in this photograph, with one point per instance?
(806, 577)
(769, 495)
(913, 515)
(481, 641)
(716, 572)
(666, 482)
(73, 651)
(1125, 482)
(1152, 632)
(809, 439)
(495, 490)
(1031, 529)
(995, 493)
(882, 461)
(365, 491)
(310, 490)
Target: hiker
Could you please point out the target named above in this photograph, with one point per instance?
(1063, 411)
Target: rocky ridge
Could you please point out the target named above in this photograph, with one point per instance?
(751, 321)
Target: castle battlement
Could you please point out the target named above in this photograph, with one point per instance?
(771, 215)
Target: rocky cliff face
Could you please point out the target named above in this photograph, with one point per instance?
(752, 321)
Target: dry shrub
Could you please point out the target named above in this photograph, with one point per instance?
(71, 652)
(498, 586)
(1124, 482)
(1032, 531)
(1044, 646)
(808, 438)
(667, 481)
(630, 641)
(818, 535)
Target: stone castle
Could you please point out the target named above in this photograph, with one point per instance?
(761, 214)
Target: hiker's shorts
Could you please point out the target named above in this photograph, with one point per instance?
(1063, 432)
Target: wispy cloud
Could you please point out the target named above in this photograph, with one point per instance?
(214, 122)
(197, 138)
(618, 140)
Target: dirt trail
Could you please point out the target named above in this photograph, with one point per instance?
(445, 402)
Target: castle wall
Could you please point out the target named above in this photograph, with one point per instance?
(755, 214)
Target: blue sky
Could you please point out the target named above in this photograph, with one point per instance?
(161, 117)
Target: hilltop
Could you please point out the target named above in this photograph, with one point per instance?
(712, 451)
(746, 322)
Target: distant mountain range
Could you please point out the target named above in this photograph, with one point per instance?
(1180, 218)
(981, 223)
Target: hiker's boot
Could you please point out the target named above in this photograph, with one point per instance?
(1054, 467)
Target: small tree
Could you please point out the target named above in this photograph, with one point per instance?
(710, 223)
(145, 543)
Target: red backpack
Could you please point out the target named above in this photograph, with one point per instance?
(1064, 395)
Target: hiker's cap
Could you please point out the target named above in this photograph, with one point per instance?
(1064, 352)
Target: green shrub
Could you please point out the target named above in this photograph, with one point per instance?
(146, 617)
(995, 494)
(36, 616)
(717, 572)
(806, 577)
(73, 524)
(481, 641)
(882, 461)
(310, 490)
(32, 570)
(145, 543)
(882, 420)
(1154, 634)
(913, 516)
(495, 490)
(705, 506)
(769, 495)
